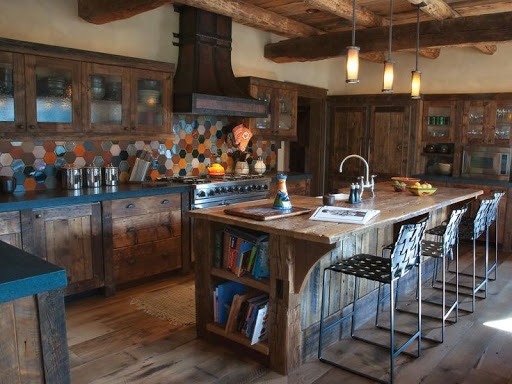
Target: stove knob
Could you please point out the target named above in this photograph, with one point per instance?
(247, 188)
(253, 187)
(259, 187)
(201, 194)
(217, 190)
(211, 193)
(230, 189)
(265, 186)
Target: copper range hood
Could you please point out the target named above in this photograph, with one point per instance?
(204, 82)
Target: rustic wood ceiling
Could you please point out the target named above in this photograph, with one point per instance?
(329, 20)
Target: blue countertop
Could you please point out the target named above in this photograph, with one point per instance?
(59, 197)
(23, 274)
(464, 180)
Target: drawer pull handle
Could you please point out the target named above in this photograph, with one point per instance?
(126, 128)
(131, 229)
(31, 127)
(131, 205)
(38, 216)
(166, 224)
(131, 261)
(165, 201)
(20, 126)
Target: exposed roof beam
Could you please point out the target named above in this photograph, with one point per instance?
(440, 10)
(343, 9)
(487, 49)
(427, 53)
(104, 11)
(463, 31)
(436, 9)
(376, 57)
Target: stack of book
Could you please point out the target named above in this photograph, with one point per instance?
(242, 251)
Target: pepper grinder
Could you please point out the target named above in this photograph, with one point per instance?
(352, 196)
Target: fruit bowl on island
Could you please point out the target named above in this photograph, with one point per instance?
(419, 189)
(400, 183)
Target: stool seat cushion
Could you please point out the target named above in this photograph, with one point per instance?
(367, 266)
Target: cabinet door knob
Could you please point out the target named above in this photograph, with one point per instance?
(131, 261)
(131, 229)
(134, 128)
(38, 216)
(31, 127)
(126, 128)
(165, 255)
(131, 205)
(165, 201)
(166, 224)
(20, 126)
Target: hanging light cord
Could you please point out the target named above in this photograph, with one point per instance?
(417, 34)
(354, 23)
(390, 27)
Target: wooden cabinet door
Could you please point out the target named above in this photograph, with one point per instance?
(285, 113)
(502, 121)
(53, 95)
(151, 100)
(12, 93)
(439, 121)
(10, 228)
(389, 141)
(105, 98)
(348, 136)
(478, 122)
(70, 237)
(263, 125)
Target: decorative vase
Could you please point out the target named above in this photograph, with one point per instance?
(241, 168)
(260, 167)
(282, 201)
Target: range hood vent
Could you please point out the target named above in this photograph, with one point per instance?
(204, 82)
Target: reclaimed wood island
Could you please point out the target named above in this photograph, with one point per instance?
(299, 250)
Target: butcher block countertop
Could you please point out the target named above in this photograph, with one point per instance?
(394, 207)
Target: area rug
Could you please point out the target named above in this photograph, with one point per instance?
(175, 304)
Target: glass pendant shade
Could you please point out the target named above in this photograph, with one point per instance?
(416, 85)
(387, 85)
(352, 65)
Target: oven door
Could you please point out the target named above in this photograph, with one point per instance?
(492, 163)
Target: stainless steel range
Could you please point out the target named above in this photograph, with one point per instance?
(230, 189)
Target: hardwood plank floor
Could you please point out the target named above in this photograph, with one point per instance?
(110, 341)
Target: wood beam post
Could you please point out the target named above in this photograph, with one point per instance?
(438, 9)
(343, 8)
(487, 49)
(105, 11)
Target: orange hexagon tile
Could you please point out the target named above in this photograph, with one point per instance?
(182, 163)
(154, 174)
(176, 169)
(79, 150)
(201, 167)
(195, 172)
(30, 184)
(49, 158)
(169, 143)
(201, 148)
(189, 139)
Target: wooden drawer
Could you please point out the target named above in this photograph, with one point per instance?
(142, 229)
(136, 262)
(10, 228)
(294, 187)
(144, 205)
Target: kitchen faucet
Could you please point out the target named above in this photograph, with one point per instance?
(363, 184)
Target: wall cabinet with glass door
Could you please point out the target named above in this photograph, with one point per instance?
(281, 99)
(487, 122)
(439, 121)
(72, 92)
(124, 100)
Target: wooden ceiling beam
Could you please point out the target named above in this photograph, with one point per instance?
(463, 31)
(488, 49)
(376, 57)
(343, 9)
(104, 11)
(437, 9)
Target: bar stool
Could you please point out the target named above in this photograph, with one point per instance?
(471, 229)
(441, 250)
(404, 256)
(493, 216)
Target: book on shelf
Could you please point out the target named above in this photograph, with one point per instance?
(344, 215)
(260, 326)
(224, 294)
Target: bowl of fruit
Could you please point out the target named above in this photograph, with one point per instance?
(399, 186)
(406, 180)
(421, 189)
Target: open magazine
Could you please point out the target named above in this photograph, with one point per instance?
(344, 215)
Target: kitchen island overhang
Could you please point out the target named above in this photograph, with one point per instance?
(299, 249)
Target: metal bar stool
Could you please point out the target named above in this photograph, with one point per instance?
(471, 229)
(404, 256)
(493, 216)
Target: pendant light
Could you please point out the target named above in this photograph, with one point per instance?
(416, 74)
(353, 53)
(387, 84)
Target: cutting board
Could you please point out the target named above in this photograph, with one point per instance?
(264, 213)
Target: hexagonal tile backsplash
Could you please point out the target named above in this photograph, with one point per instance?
(198, 141)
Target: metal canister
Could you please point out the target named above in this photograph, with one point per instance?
(92, 176)
(71, 177)
(111, 175)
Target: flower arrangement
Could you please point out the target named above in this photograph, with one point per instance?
(240, 137)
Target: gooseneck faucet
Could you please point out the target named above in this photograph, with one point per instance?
(363, 184)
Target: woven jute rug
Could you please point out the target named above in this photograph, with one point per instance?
(175, 304)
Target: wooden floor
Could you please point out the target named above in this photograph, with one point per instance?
(110, 341)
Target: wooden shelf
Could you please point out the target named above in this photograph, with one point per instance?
(261, 285)
(238, 338)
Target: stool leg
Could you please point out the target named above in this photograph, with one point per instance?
(473, 296)
(443, 299)
(457, 279)
(356, 289)
(434, 272)
(392, 332)
(378, 307)
(419, 307)
(322, 307)
(496, 248)
(486, 261)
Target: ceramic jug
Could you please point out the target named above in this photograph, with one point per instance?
(259, 166)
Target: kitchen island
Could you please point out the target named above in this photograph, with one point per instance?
(299, 249)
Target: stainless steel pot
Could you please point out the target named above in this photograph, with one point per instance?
(111, 175)
(92, 176)
(71, 177)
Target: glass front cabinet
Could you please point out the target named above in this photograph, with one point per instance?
(12, 95)
(439, 121)
(487, 122)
